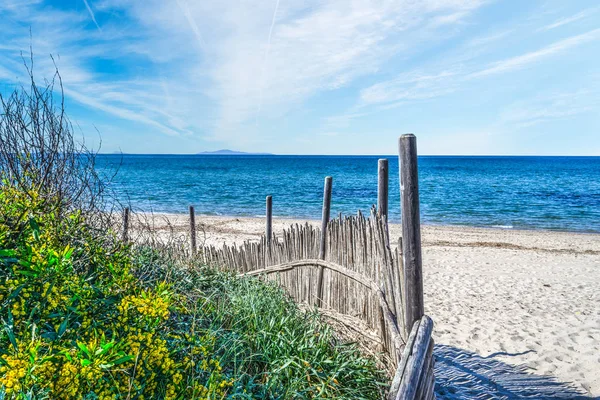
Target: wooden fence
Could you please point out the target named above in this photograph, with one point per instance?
(348, 270)
(360, 280)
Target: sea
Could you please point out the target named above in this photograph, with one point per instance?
(550, 193)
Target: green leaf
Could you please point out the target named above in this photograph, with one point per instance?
(15, 292)
(105, 347)
(49, 335)
(67, 252)
(85, 363)
(84, 348)
(9, 330)
(24, 263)
(9, 261)
(63, 326)
(7, 253)
(35, 229)
(32, 354)
(122, 360)
(7, 257)
(27, 273)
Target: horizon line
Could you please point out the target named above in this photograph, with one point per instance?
(338, 155)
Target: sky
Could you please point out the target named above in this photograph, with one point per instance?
(468, 77)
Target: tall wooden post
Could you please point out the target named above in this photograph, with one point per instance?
(269, 228)
(125, 236)
(192, 231)
(382, 187)
(324, 221)
(411, 230)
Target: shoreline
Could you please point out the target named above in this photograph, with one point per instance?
(237, 229)
(423, 224)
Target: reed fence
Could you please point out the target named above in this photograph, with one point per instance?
(348, 270)
(361, 274)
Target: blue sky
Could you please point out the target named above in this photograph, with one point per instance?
(318, 77)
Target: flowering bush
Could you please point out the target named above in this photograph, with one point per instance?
(71, 332)
(84, 316)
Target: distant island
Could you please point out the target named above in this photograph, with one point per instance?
(231, 153)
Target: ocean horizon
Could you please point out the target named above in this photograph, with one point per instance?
(510, 192)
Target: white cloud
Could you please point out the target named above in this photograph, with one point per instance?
(410, 86)
(241, 62)
(119, 112)
(573, 18)
(76, 49)
(216, 69)
(481, 41)
(311, 47)
(92, 15)
(183, 6)
(448, 76)
(523, 60)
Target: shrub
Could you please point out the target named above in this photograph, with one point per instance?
(101, 320)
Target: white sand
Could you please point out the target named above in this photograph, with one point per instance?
(499, 299)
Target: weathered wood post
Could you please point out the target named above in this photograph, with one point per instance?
(192, 231)
(324, 221)
(382, 187)
(125, 236)
(382, 191)
(411, 230)
(269, 228)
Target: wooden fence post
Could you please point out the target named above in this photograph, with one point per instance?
(382, 187)
(192, 231)
(324, 222)
(125, 237)
(269, 228)
(411, 230)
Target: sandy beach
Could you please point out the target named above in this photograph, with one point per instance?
(516, 313)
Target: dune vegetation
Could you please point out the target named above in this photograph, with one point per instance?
(85, 316)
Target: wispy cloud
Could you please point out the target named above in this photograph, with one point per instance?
(234, 73)
(573, 18)
(131, 98)
(183, 6)
(523, 60)
(422, 84)
(486, 40)
(216, 71)
(316, 47)
(410, 86)
(118, 111)
(266, 61)
(87, 5)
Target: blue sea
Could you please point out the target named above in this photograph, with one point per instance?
(557, 193)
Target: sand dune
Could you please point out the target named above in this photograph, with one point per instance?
(517, 313)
